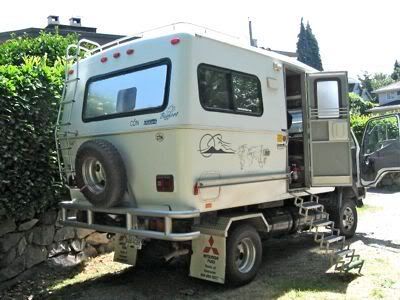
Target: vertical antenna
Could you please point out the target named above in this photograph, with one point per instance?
(253, 42)
(250, 33)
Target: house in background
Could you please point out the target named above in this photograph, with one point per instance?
(53, 25)
(389, 99)
(356, 88)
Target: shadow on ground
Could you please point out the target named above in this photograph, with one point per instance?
(290, 264)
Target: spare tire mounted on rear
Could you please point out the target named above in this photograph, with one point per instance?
(100, 173)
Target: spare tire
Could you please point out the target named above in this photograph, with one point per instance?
(100, 173)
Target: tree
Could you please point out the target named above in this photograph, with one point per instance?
(396, 71)
(307, 47)
(374, 81)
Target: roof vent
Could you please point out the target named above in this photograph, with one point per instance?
(75, 22)
(53, 20)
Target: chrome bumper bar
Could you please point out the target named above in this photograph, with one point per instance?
(130, 214)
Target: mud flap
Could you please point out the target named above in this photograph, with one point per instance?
(209, 258)
(125, 248)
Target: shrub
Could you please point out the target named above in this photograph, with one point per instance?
(358, 123)
(30, 89)
(358, 105)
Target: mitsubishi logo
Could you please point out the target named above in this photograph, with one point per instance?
(207, 249)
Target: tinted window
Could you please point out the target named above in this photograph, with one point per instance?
(229, 91)
(137, 91)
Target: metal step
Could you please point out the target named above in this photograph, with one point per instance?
(311, 205)
(70, 80)
(67, 102)
(332, 239)
(322, 223)
(63, 124)
(356, 264)
(341, 255)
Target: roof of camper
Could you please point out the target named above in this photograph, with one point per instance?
(196, 30)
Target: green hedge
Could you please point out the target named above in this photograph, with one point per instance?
(30, 89)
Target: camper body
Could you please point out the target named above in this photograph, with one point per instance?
(198, 129)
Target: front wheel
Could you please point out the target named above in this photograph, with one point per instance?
(347, 219)
(243, 255)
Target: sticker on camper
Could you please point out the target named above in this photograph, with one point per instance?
(214, 144)
(252, 155)
(150, 122)
(208, 258)
(134, 123)
(169, 113)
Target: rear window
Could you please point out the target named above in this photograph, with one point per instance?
(132, 91)
(229, 91)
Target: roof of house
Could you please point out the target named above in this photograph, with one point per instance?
(83, 32)
(391, 87)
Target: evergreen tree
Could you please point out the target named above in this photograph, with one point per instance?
(396, 71)
(307, 47)
(314, 49)
(302, 44)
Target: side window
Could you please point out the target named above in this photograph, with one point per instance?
(229, 91)
(136, 91)
(328, 98)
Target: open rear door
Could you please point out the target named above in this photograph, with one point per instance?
(329, 129)
(380, 149)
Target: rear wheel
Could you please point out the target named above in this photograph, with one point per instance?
(243, 255)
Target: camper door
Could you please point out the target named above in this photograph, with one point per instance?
(380, 149)
(329, 129)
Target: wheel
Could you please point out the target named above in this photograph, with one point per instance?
(243, 255)
(346, 218)
(100, 173)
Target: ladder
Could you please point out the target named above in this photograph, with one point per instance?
(62, 132)
(342, 257)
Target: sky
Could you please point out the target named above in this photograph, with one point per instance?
(353, 35)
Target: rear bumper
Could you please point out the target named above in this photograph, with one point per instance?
(130, 214)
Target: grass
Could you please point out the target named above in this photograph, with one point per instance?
(366, 208)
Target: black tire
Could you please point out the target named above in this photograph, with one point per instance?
(238, 238)
(100, 173)
(346, 218)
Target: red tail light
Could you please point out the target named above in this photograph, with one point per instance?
(175, 41)
(165, 183)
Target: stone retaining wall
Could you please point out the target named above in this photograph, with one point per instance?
(28, 243)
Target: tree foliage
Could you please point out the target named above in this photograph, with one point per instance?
(375, 81)
(358, 114)
(31, 80)
(396, 71)
(307, 47)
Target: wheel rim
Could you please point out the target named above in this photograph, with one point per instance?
(245, 255)
(348, 218)
(94, 175)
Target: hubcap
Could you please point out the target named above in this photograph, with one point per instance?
(245, 255)
(348, 218)
(94, 175)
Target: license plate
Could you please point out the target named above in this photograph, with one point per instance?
(134, 242)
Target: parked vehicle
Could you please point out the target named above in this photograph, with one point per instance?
(180, 143)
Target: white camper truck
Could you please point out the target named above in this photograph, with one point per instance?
(183, 140)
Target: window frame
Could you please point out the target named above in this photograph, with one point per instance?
(230, 91)
(145, 66)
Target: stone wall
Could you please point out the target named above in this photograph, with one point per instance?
(28, 243)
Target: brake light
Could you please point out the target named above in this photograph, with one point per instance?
(165, 183)
(116, 55)
(70, 72)
(104, 59)
(175, 41)
(130, 51)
